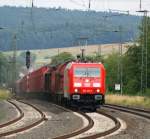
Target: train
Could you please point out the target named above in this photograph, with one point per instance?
(74, 83)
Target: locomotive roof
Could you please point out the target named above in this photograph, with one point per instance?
(85, 63)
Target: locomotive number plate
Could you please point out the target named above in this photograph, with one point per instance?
(87, 90)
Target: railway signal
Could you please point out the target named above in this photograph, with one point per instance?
(28, 59)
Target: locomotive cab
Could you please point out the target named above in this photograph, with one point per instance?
(84, 84)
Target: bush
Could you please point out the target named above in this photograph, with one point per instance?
(4, 94)
(131, 87)
(62, 57)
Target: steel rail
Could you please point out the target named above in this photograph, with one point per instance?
(91, 123)
(43, 118)
(135, 111)
(105, 133)
(21, 115)
(131, 108)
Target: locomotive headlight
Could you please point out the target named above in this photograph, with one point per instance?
(97, 90)
(76, 90)
(96, 85)
(98, 97)
(87, 80)
(77, 84)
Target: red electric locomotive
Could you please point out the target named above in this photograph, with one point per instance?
(80, 83)
(76, 83)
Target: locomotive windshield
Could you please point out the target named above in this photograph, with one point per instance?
(87, 72)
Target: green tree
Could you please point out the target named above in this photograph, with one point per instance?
(94, 58)
(133, 61)
(111, 66)
(2, 68)
(7, 76)
(5, 69)
(132, 69)
(62, 57)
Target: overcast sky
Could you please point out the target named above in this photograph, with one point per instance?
(98, 5)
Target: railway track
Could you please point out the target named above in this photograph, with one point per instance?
(113, 129)
(135, 111)
(21, 129)
(79, 132)
(90, 126)
(107, 132)
(21, 115)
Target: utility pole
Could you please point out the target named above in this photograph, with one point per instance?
(99, 50)
(144, 48)
(145, 27)
(32, 6)
(22, 26)
(89, 5)
(14, 49)
(32, 16)
(58, 51)
(120, 61)
(82, 53)
(140, 5)
(121, 66)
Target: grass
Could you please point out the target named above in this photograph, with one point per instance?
(135, 101)
(4, 94)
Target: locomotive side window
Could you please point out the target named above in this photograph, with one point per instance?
(87, 72)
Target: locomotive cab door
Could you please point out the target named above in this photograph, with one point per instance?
(47, 81)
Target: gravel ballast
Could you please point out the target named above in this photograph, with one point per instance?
(8, 111)
(137, 127)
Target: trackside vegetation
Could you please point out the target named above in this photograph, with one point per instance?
(127, 100)
(61, 58)
(134, 74)
(4, 94)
